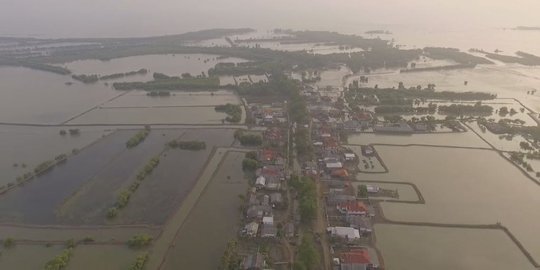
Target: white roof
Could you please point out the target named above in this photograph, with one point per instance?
(345, 232)
(260, 181)
(268, 220)
(350, 155)
(334, 165)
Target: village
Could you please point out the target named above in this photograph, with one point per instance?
(274, 225)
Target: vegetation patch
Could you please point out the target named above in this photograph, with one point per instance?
(61, 261)
(140, 262)
(187, 145)
(138, 138)
(248, 139)
(233, 111)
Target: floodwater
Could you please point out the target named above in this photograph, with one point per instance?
(35, 202)
(425, 248)
(169, 184)
(466, 139)
(169, 64)
(506, 81)
(38, 97)
(28, 257)
(191, 99)
(91, 257)
(151, 115)
(29, 146)
(463, 186)
(213, 221)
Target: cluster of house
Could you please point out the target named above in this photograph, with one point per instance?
(268, 114)
(333, 166)
(265, 197)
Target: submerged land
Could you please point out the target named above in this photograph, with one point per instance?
(282, 149)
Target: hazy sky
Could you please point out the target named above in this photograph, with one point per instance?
(68, 18)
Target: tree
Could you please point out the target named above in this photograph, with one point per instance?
(231, 259)
(307, 253)
(9, 243)
(362, 191)
(250, 165)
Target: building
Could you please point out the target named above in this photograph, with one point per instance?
(357, 259)
(268, 220)
(251, 229)
(347, 233)
(349, 156)
(276, 199)
(352, 208)
(268, 231)
(362, 223)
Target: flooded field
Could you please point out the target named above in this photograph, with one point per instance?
(500, 141)
(505, 80)
(151, 115)
(170, 183)
(454, 180)
(333, 77)
(90, 257)
(38, 97)
(28, 257)
(104, 234)
(169, 64)
(425, 248)
(466, 139)
(213, 221)
(188, 99)
(23, 148)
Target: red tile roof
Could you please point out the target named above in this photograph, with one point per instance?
(357, 256)
(353, 206)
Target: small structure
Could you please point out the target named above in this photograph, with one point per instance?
(347, 233)
(289, 230)
(372, 189)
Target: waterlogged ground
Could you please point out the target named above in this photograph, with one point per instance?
(169, 64)
(467, 139)
(23, 148)
(204, 115)
(38, 97)
(414, 248)
(188, 99)
(463, 186)
(213, 221)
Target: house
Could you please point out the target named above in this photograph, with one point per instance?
(273, 183)
(251, 229)
(260, 183)
(401, 127)
(367, 150)
(335, 199)
(333, 163)
(276, 199)
(352, 208)
(372, 189)
(352, 126)
(268, 231)
(362, 223)
(349, 156)
(340, 173)
(268, 220)
(347, 233)
(268, 156)
(258, 211)
(289, 230)
(357, 259)
(253, 262)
